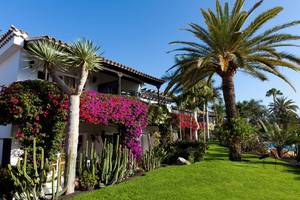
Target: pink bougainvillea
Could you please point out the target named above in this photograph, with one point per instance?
(39, 110)
(131, 114)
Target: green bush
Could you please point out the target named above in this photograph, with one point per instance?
(6, 184)
(192, 151)
(246, 133)
(88, 181)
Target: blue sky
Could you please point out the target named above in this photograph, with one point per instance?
(137, 32)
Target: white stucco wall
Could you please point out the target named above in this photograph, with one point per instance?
(10, 62)
(9, 68)
(9, 65)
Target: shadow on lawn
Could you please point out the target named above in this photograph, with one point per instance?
(216, 152)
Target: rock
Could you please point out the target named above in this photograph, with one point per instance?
(183, 161)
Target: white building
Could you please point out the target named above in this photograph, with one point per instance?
(115, 78)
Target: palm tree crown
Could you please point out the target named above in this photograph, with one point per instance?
(283, 105)
(227, 45)
(274, 93)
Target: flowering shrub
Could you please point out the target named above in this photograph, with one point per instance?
(129, 113)
(38, 109)
(186, 121)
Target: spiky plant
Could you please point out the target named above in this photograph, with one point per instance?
(79, 58)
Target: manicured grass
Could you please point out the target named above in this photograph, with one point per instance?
(213, 178)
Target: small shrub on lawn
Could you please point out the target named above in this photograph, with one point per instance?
(192, 151)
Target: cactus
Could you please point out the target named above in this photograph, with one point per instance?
(111, 166)
(114, 165)
(87, 168)
(28, 185)
(152, 158)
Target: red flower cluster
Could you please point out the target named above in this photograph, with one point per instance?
(186, 121)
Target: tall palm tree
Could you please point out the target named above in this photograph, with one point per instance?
(81, 58)
(229, 43)
(274, 93)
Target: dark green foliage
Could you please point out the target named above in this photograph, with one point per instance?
(152, 159)
(284, 111)
(160, 116)
(192, 151)
(6, 184)
(245, 132)
(252, 110)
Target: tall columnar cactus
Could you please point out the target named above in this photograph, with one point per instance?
(87, 168)
(28, 183)
(152, 159)
(58, 191)
(114, 165)
(111, 166)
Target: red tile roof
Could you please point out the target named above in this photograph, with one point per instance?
(112, 64)
(13, 31)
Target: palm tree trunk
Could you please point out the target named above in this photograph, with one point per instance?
(231, 112)
(203, 123)
(207, 121)
(72, 142)
(229, 97)
(279, 151)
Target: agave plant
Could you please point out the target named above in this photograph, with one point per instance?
(280, 137)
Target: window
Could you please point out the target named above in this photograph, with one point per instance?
(108, 88)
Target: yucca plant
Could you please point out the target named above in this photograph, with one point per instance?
(231, 42)
(80, 58)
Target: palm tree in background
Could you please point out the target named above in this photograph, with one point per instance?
(195, 98)
(284, 110)
(253, 110)
(81, 58)
(274, 93)
(229, 42)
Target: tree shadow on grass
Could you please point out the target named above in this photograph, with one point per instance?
(216, 153)
(221, 153)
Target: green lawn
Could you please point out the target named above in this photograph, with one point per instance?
(213, 178)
